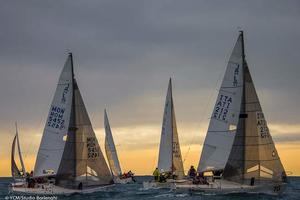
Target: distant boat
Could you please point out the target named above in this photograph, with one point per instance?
(169, 159)
(238, 149)
(69, 159)
(18, 173)
(112, 156)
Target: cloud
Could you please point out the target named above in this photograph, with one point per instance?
(285, 133)
(283, 129)
(125, 52)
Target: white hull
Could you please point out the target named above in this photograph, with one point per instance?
(118, 180)
(50, 189)
(169, 184)
(227, 187)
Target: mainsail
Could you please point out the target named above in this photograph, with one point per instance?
(110, 149)
(56, 128)
(82, 163)
(223, 123)
(15, 171)
(253, 154)
(170, 159)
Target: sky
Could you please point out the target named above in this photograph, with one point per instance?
(124, 54)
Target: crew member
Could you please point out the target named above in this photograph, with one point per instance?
(156, 174)
(192, 172)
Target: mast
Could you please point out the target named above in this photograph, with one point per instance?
(172, 112)
(74, 115)
(243, 109)
(71, 57)
(243, 46)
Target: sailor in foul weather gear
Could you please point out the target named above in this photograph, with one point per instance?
(156, 174)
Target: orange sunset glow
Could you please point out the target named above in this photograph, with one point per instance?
(139, 153)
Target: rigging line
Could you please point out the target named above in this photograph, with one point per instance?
(155, 159)
(205, 109)
(186, 154)
(33, 143)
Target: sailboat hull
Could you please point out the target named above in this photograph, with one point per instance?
(118, 180)
(169, 184)
(51, 189)
(227, 187)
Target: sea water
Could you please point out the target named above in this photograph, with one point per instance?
(136, 192)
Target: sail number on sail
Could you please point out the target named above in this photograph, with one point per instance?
(222, 107)
(235, 75)
(176, 152)
(56, 116)
(93, 150)
(262, 125)
(65, 92)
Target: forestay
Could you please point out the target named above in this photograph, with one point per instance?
(56, 128)
(110, 149)
(170, 159)
(224, 119)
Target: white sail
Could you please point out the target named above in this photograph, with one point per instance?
(55, 131)
(224, 119)
(170, 159)
(15, 171)
(110, 149)
(165, 148)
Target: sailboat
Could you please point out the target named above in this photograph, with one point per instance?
(17, 173)
(112, 156)
(169, 159)
(69, 158)
(238, 149)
